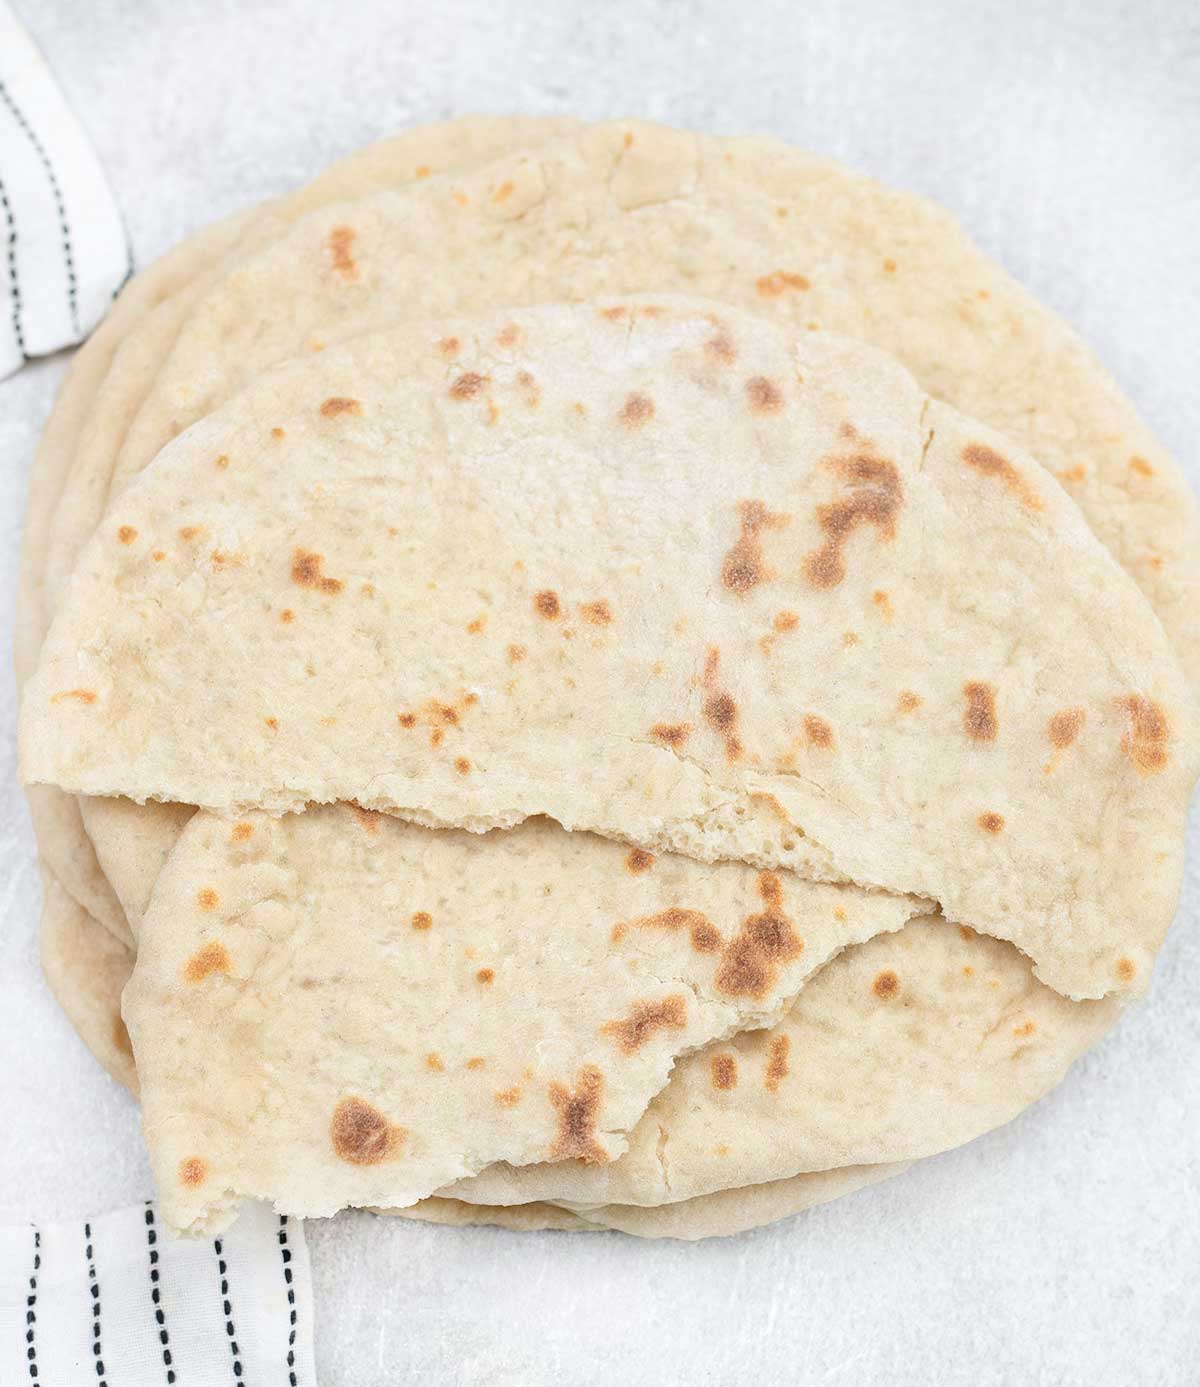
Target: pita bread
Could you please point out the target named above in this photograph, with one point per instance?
(337, 1008)
(643, 589)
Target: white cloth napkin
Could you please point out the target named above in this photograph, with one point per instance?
(63, 248)
(118, 1302)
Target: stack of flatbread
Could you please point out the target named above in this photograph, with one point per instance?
(596, 677)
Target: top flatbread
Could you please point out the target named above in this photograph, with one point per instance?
(656, 571)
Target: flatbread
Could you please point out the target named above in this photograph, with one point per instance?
(692, 584)
(337, 1008)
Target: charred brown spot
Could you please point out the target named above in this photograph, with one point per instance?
(207, 898)
(1126, 969)
(875, 494)
(1064, 727)
(1141, 466)
(637, 410)
(818, 731)
(991, 822)
(671, 733)
(752, 959)
(719, 709)
(644, 1019)
(989, 462)
(341, 251)
(485, 977)
(772, 285)
(193, 1171)
(406, 719)
(724, 1071)
(81, 695)
(306, 571)
(597, 613)
(362, 1135)
(212, 958)
(547, 605)
(368, 819)
(241, 831)
(578, 1110)
(340, 404)
(638, 860)
(744, 567)
(127, 534)
(1145, 742)
(777, 1064)
(886, 985)
(979, 716)
(468, 385)
(764, 395)
(706, 938)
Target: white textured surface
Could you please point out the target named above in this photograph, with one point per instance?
(1064, 1249)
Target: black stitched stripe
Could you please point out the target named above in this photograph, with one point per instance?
(227, 1306)
(64, 229)
(286, 1253)
(31, 1308)
(94, 1287)
(14, 283)
(160, 1318)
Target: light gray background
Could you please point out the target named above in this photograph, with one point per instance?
(1063, 1249)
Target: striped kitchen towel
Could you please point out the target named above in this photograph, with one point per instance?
(63, 248)
(118, 1302)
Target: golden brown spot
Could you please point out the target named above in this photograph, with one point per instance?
(706, 938)
(637, 410)
(1126, 970)
(193, 1171)
(277, 432)
(968, 971)
(485, 976)
(991, 822)
(637, 860)
(889, 266)
(1073, 474)
(744, 567)
(764, 395)
(241, 831)
(875, 497)
(1025, 1028)
(189, 532)
(886, 985)
(719, 709)
(908, 701)
(158, 555)
(818, 731)
(597, 613)
(1141, 466)
(272, 723)
(839, 913)
(724, 1071)
(341, 242)
(287, 615)
(83, 695)
(504, 191)
(493, 416)
(509, 1097)
(434, 1061)
(369, 819)
(120, 1037)
(222, 462)
(516, 653)
(422, 920)
(772, 285)
(462, 765)
(883, 602)
(547, 605)
(1064, 727)
(777, 1065)
(614, 314)
(207, 898)
(849, 639)
(644, 1018)
(578, 1110)
(306, 570)
(671, 733)
(752, 959)
(212, 958)
(721, 347)
(367, 589)
(437, 737)
(422, 171)
(468, 385)
(362, 1135)
(449, 346)
(340, 404)
(509, 336)
(406, 719)
(966, 933)
(979, 716)
(1145, 743)
(991, 464)
(785, 621)
(476, 1062)
(461, 199)
(127, 534)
